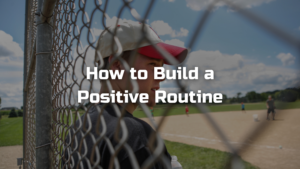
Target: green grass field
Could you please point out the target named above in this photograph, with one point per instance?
(11, 131)
(191, 157)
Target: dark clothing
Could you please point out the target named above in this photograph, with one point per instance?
(138, 133)
(243, 108)
(271, 110)
(270, 104)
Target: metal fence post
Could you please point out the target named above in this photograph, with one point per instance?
(24, 82)
(43, 83)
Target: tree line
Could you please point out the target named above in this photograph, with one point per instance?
(286, 95)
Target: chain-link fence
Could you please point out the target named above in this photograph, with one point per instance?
(73, 42)
(30, 87)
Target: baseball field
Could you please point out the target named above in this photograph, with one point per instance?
(277, 145)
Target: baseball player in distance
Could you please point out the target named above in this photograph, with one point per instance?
(139, 131)
(243, 107)
(152, 111)
(271, 107)
(187, 110)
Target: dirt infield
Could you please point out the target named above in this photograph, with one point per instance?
(264, 152)
(9, 155)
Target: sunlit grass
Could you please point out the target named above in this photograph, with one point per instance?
(191, 157)
(11, 131)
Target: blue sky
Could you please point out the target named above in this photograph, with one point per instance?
(244, 56)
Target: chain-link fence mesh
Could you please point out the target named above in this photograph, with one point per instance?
(30, 87)
(73, 49)
(29, 144)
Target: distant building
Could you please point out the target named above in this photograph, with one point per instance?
(9, 108)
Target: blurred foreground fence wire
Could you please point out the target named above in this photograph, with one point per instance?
(60, 43)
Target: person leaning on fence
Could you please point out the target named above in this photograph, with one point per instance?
(139, 131)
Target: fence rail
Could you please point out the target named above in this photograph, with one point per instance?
(60, 44)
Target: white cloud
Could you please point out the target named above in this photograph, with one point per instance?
(11, 71)
(11, 90)
(11, 81)
(198, 5)
(163, 28)
(235, 73)
(215, 60)
(266, 77)
(11, 63)
(175, 42)
(299, 28)
(112, 21)
(286, 58)
(171, 0)
(97, 32)
(9, 48)
(182, 32)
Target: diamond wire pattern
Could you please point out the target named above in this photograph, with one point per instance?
(31, 30)
(29, 140)
(71, 26)
(30, 157)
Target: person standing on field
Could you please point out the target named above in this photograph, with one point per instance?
(152, 110)
(187, 110)
(243, 107)
(271, 107)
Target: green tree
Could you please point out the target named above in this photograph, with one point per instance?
(238, 96)
(287, 95)
(20, 113)
(264, 96)
(224, 98)
(277, 95)
(13, 113)
(233, 100)
(253, 96)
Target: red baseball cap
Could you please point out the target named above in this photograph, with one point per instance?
(178, 53)
(127, 37)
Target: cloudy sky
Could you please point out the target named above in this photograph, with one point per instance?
(243, 56)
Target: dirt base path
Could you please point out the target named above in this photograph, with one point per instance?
(264, 152)
(9, 155)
